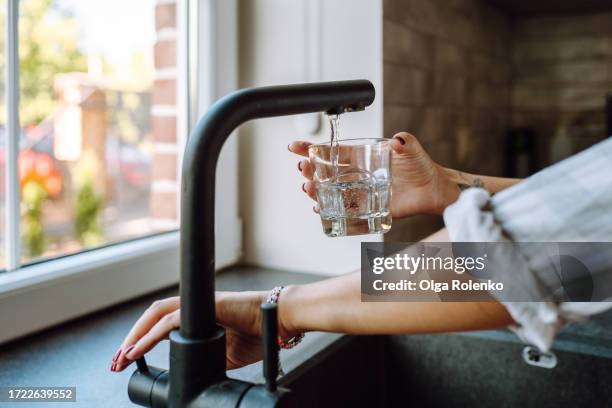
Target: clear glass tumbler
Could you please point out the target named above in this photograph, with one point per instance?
(353, 183)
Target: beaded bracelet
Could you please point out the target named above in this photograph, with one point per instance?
(293, 341)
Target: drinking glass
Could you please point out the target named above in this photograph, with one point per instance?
(353, 184)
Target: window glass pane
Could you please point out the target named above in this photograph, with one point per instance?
(98, 158)
(3, 145)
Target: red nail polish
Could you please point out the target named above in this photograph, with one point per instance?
(399, 139)
(113, 366)
(117, 355)
(300, 166)
(127, 350)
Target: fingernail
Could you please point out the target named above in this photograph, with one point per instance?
(315, 209)
(399, 139)
(300, 166)
(289, 147)
(127, 351)
(113, 366)
(304, 187)
(124, 366)
(117, 355)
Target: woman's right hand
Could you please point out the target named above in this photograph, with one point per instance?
(420, 186)
(237, 312)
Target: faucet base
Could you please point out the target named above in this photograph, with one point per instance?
(227, 393)
(260, 396)
(195, 364)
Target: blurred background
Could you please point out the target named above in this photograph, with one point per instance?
(96, 87)
(495, 87)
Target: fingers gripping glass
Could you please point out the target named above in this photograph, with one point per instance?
(354, 196)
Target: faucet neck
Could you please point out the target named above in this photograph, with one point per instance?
(197, 239)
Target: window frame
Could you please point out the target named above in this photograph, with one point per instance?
(39, 295)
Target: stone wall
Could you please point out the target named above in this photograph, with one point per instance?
(562, 71)
(447, 81)
(458, 74)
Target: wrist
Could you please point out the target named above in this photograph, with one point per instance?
(287, 317)
(449, 188)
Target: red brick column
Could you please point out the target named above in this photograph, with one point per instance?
(164, 187)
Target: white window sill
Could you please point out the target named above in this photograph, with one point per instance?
(44, 294)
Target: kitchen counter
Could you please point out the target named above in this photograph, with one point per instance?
(78, 353)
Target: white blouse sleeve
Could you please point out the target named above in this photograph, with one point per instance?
(568, 202)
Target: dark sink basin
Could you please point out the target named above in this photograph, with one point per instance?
(484, 369)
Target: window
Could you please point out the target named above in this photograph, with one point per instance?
(89, 171)
(98, 115)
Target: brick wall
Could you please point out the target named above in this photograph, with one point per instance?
(446, 80)
(164, 187)
(562, 70)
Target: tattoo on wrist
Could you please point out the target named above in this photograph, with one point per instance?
(466, 183)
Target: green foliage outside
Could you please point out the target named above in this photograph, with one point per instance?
(88, 206)
(88, 203)
(33, 196)
(47, 47)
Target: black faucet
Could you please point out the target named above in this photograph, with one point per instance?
(196, 377)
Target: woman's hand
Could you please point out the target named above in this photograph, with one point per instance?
(238, 312)
(420, 186)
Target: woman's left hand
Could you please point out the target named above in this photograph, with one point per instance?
(420, 185)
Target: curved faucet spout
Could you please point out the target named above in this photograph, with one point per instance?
(197, 253)
(197, 352)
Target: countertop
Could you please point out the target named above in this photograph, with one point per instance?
(78, 353)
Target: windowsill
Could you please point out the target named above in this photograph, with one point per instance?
(78, 353)
(44, 270)
(85, 282)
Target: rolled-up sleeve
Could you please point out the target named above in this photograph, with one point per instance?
(568, 202)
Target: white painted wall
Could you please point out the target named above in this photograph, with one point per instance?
(289, 41)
